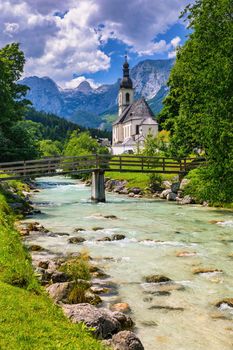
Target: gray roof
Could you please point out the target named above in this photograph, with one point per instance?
(138, 110)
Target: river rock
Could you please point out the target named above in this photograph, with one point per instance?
(138, 196)
(99, 290)
(165, 193)
(185, 254)
(44, 276)
(166, 184)
(175, 187)
(227, 301)
(118, 189)
(110, 217)
(203, 270)
(100, 274)
(60, 291)
(125, 321)
(117, 237)
(122, 307)
(44, 264)
(97, 228)
(157, 279)
(124, 191)
(187, 200)
(101, 321)
(125, 340)
(171, 196)
(135, 190)
(92, 298)
(23, 231)
(131, 194)
(61, 233)
(184, 183)
(58, 277)
(76, 240)
(35, 248)
(79, 229)
(104, 239)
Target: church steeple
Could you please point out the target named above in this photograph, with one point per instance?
(126, 82)
(126, 95)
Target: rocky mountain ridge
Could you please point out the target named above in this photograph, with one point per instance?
(89, 107)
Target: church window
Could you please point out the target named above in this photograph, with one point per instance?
(127, 97)
(137, 129)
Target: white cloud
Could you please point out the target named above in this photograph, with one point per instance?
(61, 38)
(152, 48)
(72, 84)
(136, 22)
(175, 41)
(172, 54)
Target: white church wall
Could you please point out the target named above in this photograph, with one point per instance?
(149, 129)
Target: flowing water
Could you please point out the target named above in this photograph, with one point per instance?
(179, 319)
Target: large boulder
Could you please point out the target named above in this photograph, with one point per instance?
(166, 184)
(135, 190)
(59, 276)
(184, 183)
(171, 196)
(165, 193)
(104, 322)
(175, 187)
(60, 292)
(125, 340)
(187, 200)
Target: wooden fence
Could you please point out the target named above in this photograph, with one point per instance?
(90, 163)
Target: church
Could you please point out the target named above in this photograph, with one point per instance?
(135, 118)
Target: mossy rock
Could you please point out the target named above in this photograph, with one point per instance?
(35, 248)
(118, 237)
(157, 279)
(76, 240)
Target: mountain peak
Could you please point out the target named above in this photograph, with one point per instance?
(84, 87)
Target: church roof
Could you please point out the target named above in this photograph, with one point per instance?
(139, 110)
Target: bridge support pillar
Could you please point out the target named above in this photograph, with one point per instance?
(97, 187)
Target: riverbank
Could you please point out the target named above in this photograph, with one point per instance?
(161, 238)
(166, 187)
(29, 319)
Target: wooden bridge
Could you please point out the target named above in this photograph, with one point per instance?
(97, 165)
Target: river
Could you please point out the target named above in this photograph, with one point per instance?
(180, 319)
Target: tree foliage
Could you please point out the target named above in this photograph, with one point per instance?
(80, 144)
(199, 107)
(49, 148)
(56, 128)
(16, 137)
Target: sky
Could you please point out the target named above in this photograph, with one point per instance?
(74, 40)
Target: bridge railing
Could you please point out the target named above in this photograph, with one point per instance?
(89, 163)
(126, 163)
(47, 166)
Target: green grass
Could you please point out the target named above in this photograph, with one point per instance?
(28, 318)
(29, 321)
(141, 180)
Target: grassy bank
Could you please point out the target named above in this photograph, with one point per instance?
(28, 318)
(141, 180)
